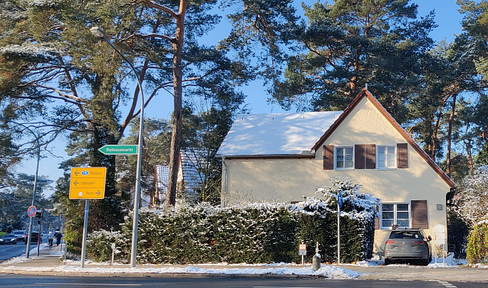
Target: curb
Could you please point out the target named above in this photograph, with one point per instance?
(50, 272)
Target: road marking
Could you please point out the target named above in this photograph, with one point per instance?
(446, 284)
(87, 284)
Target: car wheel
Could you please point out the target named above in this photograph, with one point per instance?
(425, 262)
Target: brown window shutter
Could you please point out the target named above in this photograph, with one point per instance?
(365, 156)
(377, 219)
(402, 155)
(419, 214)
(328, 157)
(370, 156)
(359, 156)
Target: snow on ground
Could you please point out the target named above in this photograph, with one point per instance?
(328, 271)
(333, 272)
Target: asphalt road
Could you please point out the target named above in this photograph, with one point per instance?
(7, 280)
(9, 251)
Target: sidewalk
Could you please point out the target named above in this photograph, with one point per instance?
(50, 262)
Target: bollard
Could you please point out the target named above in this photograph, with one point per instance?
(113, 254)
(316, 262)
(316, 259)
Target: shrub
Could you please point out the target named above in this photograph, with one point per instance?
(256, 233)
(477, 250)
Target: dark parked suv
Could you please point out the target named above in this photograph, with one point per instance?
(34, 238)
(409, 246)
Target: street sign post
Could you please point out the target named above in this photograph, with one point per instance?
(118, 149)
(302, 250)
(87, 183)
(31, 211)
(340, 202)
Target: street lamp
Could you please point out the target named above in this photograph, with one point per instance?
(97, 32)
(34, 192)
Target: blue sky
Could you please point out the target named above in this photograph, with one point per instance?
(449, 24)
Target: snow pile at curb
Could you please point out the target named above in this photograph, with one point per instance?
(326, 270)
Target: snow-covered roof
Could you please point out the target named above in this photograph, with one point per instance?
(276, 134)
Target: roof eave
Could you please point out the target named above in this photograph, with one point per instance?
(268, 156)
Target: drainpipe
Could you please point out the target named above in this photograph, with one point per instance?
(224, 185)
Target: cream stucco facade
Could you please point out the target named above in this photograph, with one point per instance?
(288, 179)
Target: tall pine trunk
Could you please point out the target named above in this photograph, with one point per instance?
(174, 152)
(449, 135)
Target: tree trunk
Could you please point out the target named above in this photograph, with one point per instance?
(434, 137)
(177, 113)
(449, 135)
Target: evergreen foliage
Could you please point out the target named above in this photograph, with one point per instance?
(349, 44)
(477, 250)
(255, 233)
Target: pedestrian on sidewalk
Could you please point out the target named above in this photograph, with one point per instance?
(58, 236)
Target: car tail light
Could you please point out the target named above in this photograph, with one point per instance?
(390, 242)
(418, 242)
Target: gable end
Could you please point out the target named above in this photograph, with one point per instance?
(392, 121)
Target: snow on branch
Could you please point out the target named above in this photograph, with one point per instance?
(30, 50)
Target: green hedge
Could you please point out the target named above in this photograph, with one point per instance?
(477, 250)
(261, 233)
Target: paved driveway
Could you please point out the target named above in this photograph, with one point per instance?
(408, 272)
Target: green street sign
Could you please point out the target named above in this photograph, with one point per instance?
(118, 149)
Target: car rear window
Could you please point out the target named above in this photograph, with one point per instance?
(405, 235)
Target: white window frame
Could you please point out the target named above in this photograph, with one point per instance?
(336, 148)
(386, 154)
(395, 214)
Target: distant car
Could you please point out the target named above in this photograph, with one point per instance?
(35, 236)
(20, 234)
(407, 246)
(8, 239)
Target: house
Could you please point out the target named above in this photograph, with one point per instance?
(190, 178)
(285, 157)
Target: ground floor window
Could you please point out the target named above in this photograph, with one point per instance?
(395, 215)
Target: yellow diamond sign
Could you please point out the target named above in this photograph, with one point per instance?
(87, 183)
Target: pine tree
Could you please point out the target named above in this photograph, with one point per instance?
(351, 44)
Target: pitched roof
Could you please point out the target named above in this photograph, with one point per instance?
(295, 135)
(278, 134)
(382, 110)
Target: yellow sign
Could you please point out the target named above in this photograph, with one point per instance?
(87, 183)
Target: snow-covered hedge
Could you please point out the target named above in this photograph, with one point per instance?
(256, 233)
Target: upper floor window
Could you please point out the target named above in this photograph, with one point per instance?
(365, 156)
(385, 157)
(344, 157)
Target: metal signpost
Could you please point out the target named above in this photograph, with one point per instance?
(302, 250)
(97, 32)
(87, 183)
(340, 201)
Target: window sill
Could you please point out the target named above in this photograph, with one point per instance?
(387, 168)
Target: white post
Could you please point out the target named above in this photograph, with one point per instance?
(338, 234)
(85, 229)
(113, 254)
